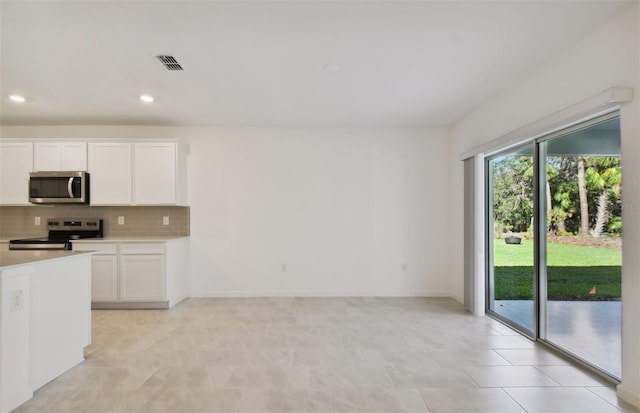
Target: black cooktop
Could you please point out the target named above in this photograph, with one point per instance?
(61, 232)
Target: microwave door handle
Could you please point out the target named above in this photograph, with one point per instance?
(70, 187)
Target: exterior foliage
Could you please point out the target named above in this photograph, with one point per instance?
(597, 179)
(512, 190)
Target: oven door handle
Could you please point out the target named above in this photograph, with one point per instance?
(70, 187)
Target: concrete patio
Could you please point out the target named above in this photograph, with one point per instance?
(589, 329)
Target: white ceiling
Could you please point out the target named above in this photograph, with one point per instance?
(260, 63)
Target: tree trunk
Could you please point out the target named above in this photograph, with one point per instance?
(548, 206)
(561, 228)
(584, 206)
(601, 215)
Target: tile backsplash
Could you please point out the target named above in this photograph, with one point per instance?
(19, 221)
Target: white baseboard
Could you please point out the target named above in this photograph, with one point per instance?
(219, 294)
(630, 397)
(458, 298)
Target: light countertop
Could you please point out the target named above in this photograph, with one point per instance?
(142, 238)
(13, 258)
(128, 239)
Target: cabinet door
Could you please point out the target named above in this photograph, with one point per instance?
(154, 173)
(104, 269)
(142, 277)
(60, 156)
(104, 278)
(73, 156)
(110, 169)
(46, 156)
(16, 161)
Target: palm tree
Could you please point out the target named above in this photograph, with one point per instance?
(561, 181)
(603, 174)
(584, 205)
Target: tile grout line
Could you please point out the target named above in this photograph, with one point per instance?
(502, 357)
(423, 401)
(551, 378)
(592, 392)
(512, 398)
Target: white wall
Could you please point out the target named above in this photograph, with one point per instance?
(343, 209)
(608, 57)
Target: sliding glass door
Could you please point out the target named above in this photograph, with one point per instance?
(580, 251)
(554, 259)
(510, 246)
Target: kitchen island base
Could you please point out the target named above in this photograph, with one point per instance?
(45, 320)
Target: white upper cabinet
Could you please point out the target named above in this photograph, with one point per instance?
(120, 172)
(16, 161)
(155, 173)
(60, 156)
(110, 173)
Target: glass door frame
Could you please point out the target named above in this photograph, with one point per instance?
(489, 291)
(539, 333)
(539, 238)
(541, 244)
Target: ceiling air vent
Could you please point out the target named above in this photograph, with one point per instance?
(169, 62)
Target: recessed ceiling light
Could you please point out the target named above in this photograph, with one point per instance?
(330, 68)
(146, 98)
(17, 98)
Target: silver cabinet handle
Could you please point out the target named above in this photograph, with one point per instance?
(70, 187)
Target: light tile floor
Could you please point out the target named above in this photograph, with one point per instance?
(318, 355)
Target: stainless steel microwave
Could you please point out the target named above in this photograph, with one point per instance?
(66, 187)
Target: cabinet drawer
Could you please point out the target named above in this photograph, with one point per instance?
(142, 248)
(101, 247)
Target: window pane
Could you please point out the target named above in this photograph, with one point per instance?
(510, 205)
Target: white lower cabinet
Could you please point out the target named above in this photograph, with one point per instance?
(104, 270)
(137, 274)
(142, 277)
(104, 278)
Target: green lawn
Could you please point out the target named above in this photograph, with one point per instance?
(572, 272)
(557, 255)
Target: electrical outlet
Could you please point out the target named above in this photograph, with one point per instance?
(16, 302)
(165, 220)
(37, 221)
(121, 220)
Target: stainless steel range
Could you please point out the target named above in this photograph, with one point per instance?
(61, 232)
